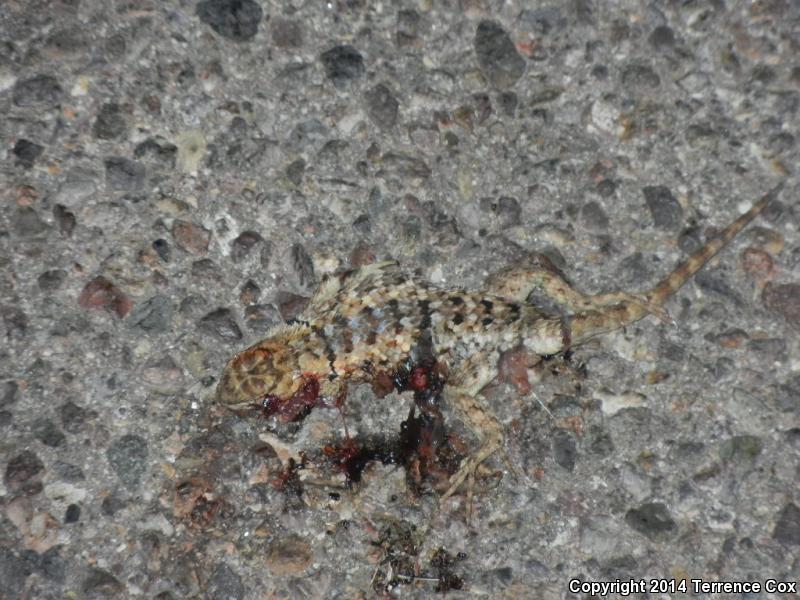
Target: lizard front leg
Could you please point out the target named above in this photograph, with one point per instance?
(462, 393)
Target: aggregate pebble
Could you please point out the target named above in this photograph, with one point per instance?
(343, 65)
(221, 324)
(651, 519)
(382, 106)
(783, 299)
(39, 91)
(22, 473)
(787, 526)
(497, 56)
(127, 456)
(110, 122)
(100, 293)
(190, 236)
(26, 152)
(664, 208)
(124, 174)
(237, 20)
(152, 315)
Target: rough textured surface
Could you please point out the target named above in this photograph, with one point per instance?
(178, 176)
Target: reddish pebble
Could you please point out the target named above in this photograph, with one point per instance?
(100, 293)
(290, 305)
(514, 369)
(191, 237)
(758, 263)
(26, 195)
(784, 299)
(362, 255)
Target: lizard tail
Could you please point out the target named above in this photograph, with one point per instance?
(683, 272)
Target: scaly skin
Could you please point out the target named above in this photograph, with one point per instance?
(379, 318)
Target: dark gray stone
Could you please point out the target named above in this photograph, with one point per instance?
(541, 21)
(600, 442)
(27, 152)
(15, 321)
(497, 57)
(295, 171)
(68, 472)
(14, 570)
(112, 504)
(207, 271)
(27, 222)
(507, 102)
(260, 317)
(50, 564)
(68, 42)
(21, 469)
(51, 280)
(225, 584)
(741, 449)
(47, 432)
(787, 527)
(157, 154)
(154, 315)
(127, 456)
(505, 208)
(286, 33)
(162, 248)
(124, 174)
(382, 106)
(593, 217)
(408, 28)
(234, 19)
(221, 324)
(39, 91)
(72, 514)
(343, 64)
(662, 37)
(716, 283)
(565, 451)
(664, 208)
(302, 265)
(9, 393)
(102, 583)
(243, 244)
(307, 133)
(651, 519)
(404, 166)
(640, 76)
(110, 123)
(116, 46)
(75, 418)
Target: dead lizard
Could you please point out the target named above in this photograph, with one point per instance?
(379, 317)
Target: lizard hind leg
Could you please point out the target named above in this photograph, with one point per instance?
(463, 395)
(517, 283)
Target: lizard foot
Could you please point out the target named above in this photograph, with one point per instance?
(468, 472)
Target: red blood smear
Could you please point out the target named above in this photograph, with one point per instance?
(298, 404)
(419, 379)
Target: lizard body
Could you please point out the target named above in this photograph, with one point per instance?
(379, 317)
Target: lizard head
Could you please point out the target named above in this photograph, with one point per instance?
(279, 374)
(264, 369)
